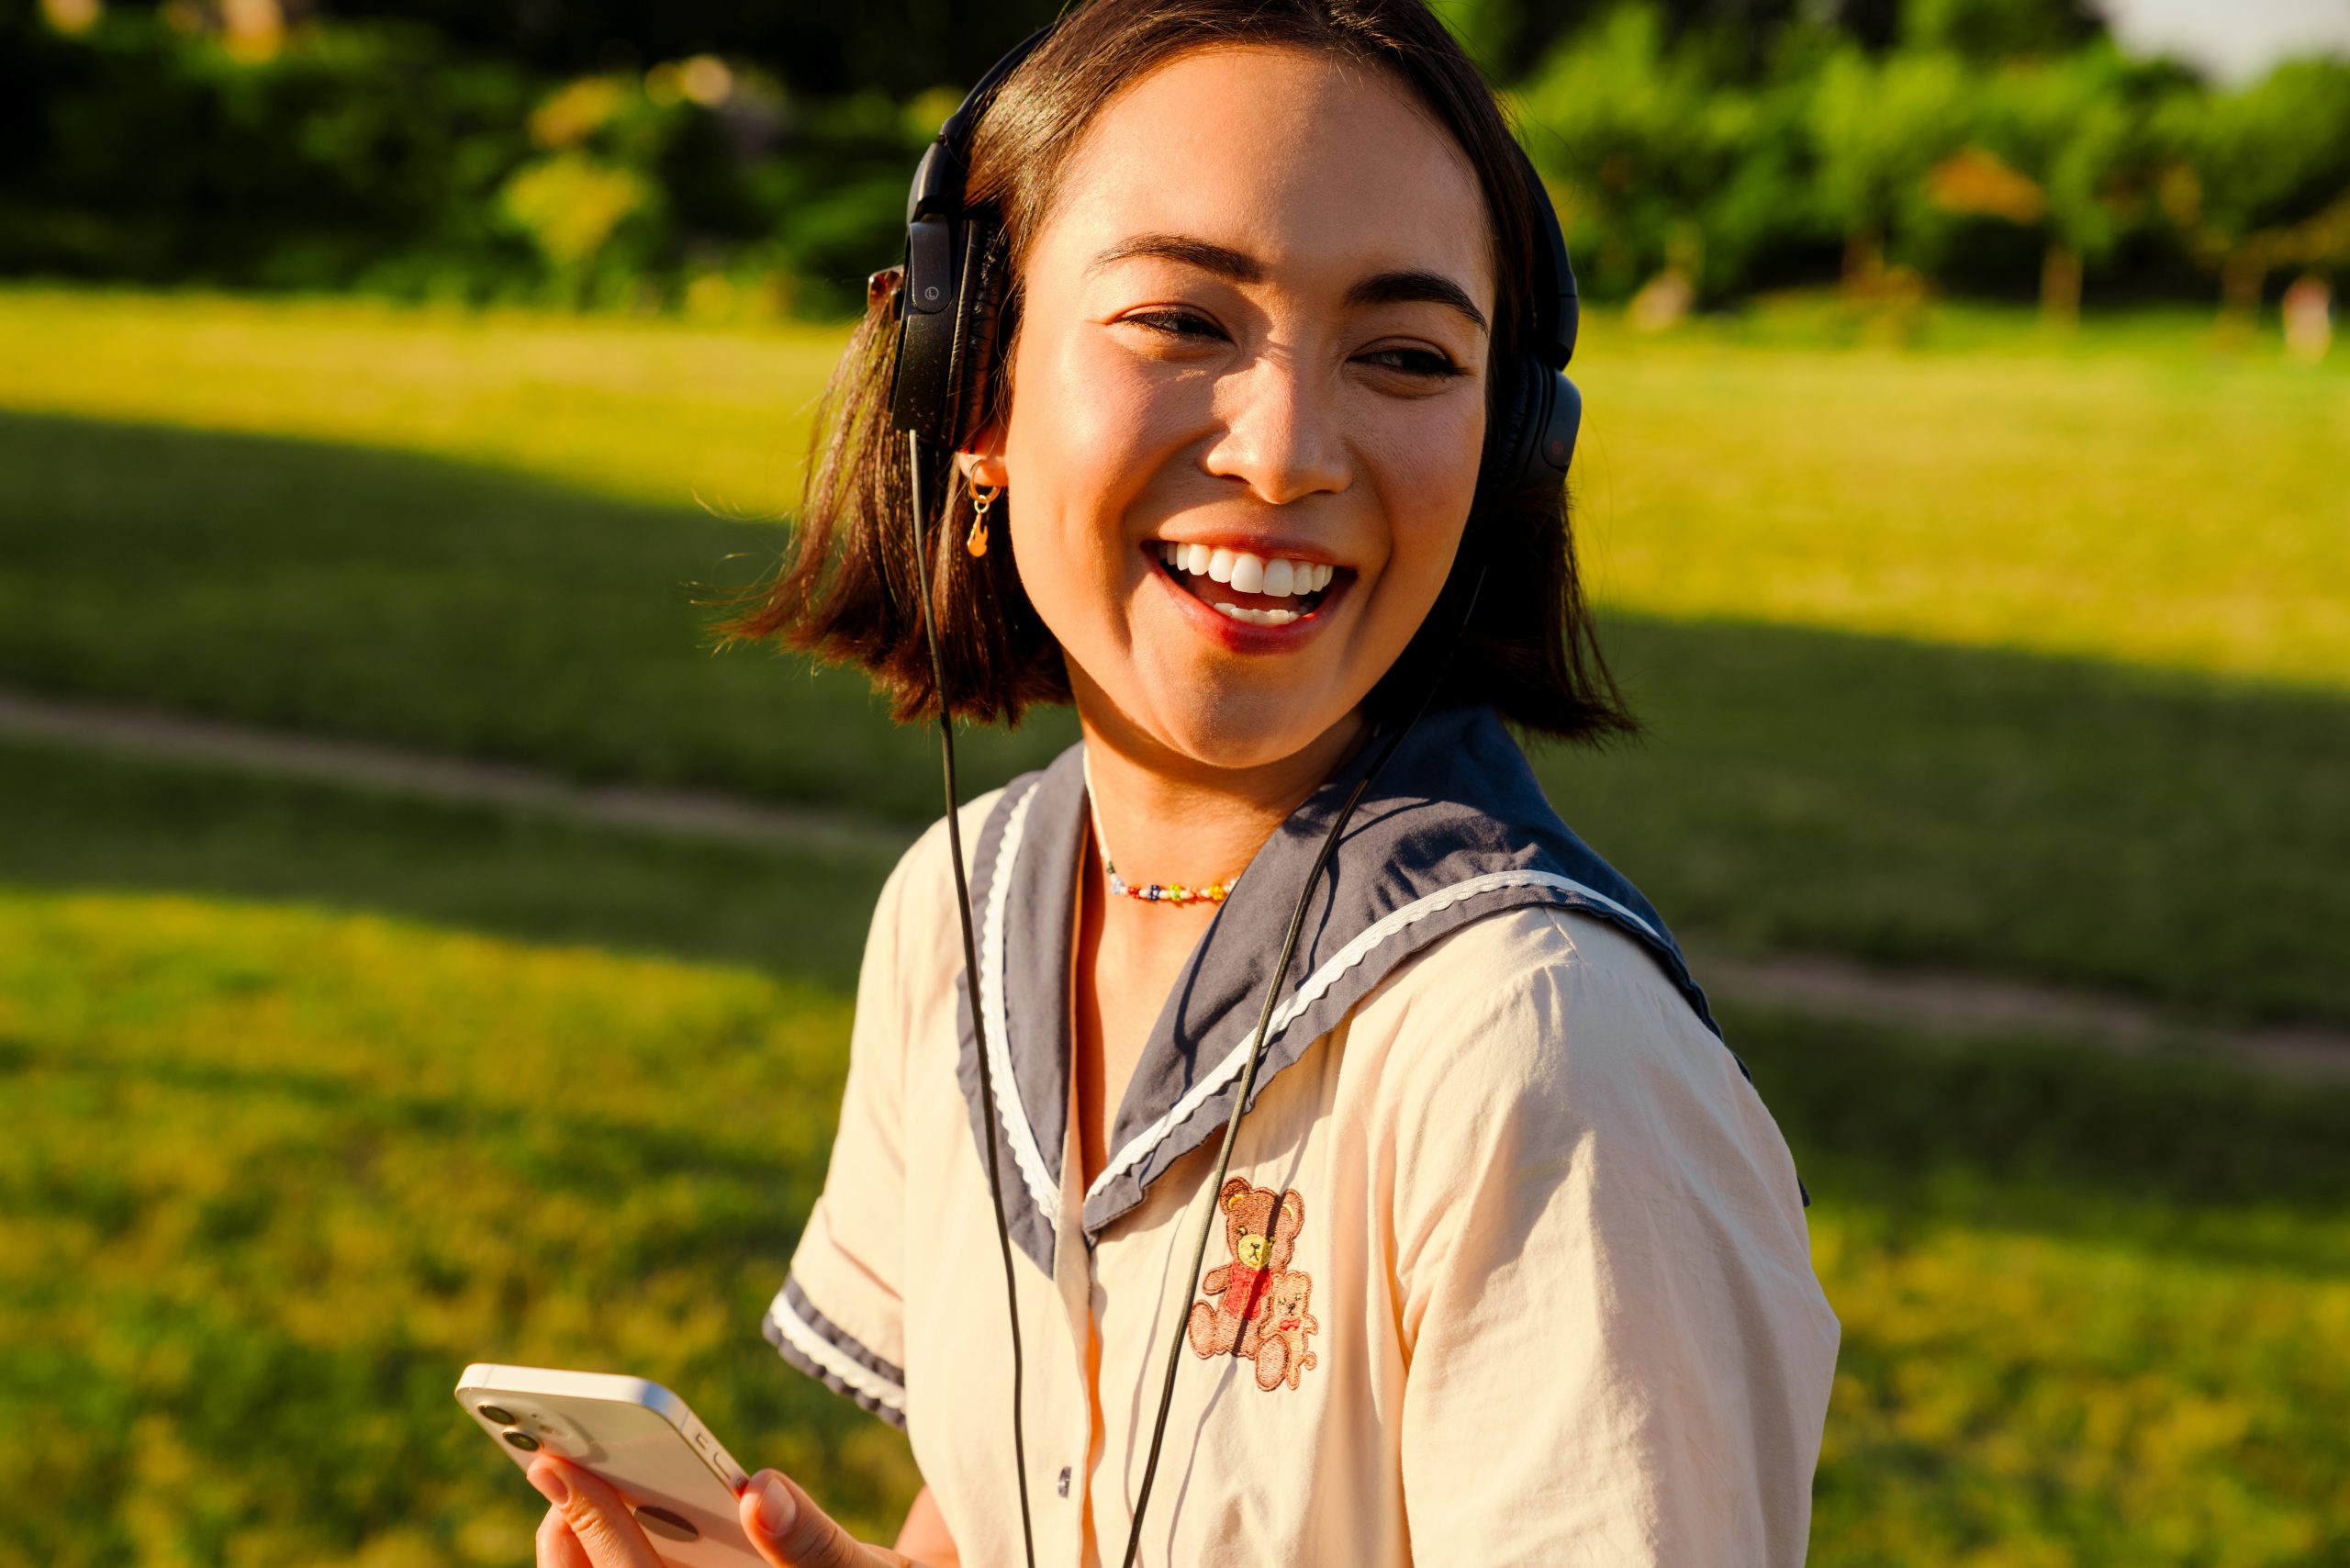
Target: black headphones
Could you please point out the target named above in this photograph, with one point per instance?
(951, 299)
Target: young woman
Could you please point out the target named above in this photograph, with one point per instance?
(1512, 1262)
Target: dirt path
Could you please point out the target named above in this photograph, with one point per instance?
(1945, 1003)
(692, 813)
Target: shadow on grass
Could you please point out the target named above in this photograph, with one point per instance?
(2154, 833)
(89, 821)
(1902, 1135)
(2036, 1135)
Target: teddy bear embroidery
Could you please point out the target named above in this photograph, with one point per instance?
(1259, 1308)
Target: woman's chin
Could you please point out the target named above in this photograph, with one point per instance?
(1237, 730)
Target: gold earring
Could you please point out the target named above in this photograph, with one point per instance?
(982, 498)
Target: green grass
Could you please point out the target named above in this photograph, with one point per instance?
(286, 1149)
(276, 1173)
(2125, 492)
(2131, 496)
(2173, 835)
(446, 605)
(650, 409)
(84, 821)
(2095, 1311)
(274, 1176)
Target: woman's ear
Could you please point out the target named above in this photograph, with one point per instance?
(981, 463)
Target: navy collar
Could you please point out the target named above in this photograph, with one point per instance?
(1453, 830)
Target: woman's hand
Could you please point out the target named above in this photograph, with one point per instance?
(590, 1526)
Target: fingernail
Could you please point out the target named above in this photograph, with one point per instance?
(776, 1509)
(551, 1484)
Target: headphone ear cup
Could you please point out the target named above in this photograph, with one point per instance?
(921, 390)
(1504, 439)
(979, 322)
(1554, 446)
(1534, 432)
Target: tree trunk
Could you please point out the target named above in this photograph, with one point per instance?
(2242, 277)
(1863, 261)
(2060, 285)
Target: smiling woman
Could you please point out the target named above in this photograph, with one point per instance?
(1256, 376)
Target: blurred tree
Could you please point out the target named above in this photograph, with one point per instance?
(2072, 134)
(1876, 128)
(1638, 143)
(897, 47)
(2260, 176)
(1987, 31)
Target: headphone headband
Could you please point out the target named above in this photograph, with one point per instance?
(953, 290)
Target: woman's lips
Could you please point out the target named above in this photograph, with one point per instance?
(1246, 622)
(1260, 591)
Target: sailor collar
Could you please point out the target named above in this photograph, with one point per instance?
(1454, 829)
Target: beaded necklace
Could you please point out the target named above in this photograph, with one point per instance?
(1148, 892)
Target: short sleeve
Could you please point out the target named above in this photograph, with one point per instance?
(1617, 1348)
(839, 1316)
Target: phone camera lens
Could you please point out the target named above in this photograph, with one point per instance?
(521, 1440)
(503, 1416)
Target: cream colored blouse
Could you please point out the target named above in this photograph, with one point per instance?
(1513, 1267)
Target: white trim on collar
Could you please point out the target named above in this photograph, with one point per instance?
(1213, 1081)
(1010, 1108)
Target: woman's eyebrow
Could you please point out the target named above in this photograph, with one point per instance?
(1412, 285)
(1401, 286)
(1236, 266)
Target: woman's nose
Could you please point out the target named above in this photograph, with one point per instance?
(1281, 435)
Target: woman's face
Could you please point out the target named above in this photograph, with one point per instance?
(1248, 398)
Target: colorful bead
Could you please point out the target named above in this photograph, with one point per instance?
(1166, 892)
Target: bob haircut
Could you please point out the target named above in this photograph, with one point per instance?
(846, 590)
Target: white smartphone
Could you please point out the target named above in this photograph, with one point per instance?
(636, 1435)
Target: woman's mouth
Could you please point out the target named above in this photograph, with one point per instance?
(1256, 590)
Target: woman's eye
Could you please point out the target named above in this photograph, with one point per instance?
(1177, 324)
(1425, 362)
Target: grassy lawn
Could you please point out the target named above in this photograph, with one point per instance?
(276, 1172)
(653, 410)
(80, 821)
(275, 1175)
(2125, 492)
(2019, 653)
(2172, 833)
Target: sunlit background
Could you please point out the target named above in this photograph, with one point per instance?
(420, 945)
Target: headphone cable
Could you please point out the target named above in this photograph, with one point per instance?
(1256, 1056)
(918, 476)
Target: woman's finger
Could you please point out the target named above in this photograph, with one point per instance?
(790, 1531)
(601, 1523)
(558, 1548)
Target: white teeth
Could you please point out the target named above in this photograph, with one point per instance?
(1259, 617)
(1279, 579)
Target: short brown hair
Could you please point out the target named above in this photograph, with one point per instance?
(846, 588)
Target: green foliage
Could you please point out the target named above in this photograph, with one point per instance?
(1997, 30)
(1654, 163)
(2070, 127)
(360, 159)
(445, 154)
(1876, 126)
(374, 157)
(2262, 177)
